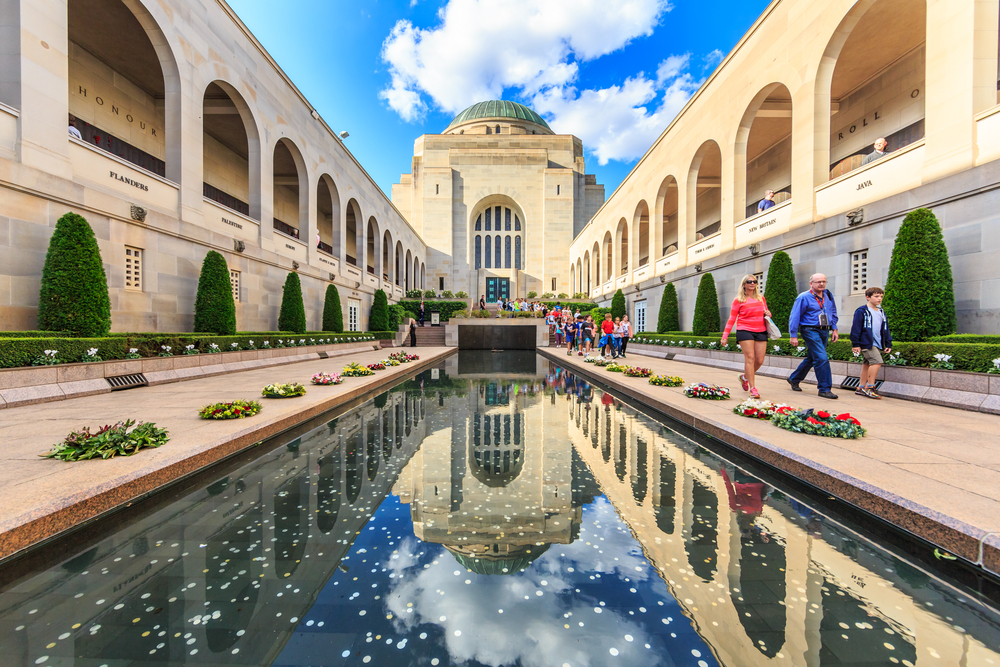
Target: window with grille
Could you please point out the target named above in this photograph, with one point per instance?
(497, 249)
(133, 269)
(353, 314)
(640, 316)
(506, 251)
(489, 245)
(760, 282)
(234, 280)
(859, 271)
(479, 252)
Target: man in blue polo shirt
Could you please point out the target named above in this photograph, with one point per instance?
(815, 314)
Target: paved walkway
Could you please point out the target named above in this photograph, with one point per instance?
(42, 497)
(932, 470)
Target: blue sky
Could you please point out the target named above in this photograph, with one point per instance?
(612, 73)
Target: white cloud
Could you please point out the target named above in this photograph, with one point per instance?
(482, 47)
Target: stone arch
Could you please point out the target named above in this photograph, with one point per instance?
(608, 257)
(621, 245)
(704, 192)
(290, 194)
(328, 216)
(667, 214)
(764, 130)
(353, 234)
(640, 252)
(373, 255)
(483, 223)
(228, 123)
(397, 265)
(388, 262)
(408, 265)
(585, 282)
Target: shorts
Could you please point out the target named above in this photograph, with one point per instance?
(759, 336)
(872, 356)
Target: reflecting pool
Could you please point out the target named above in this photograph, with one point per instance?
(493, 511)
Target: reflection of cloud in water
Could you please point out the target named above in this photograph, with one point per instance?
(537, 604)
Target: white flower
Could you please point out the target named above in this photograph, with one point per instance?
(189, 347)
(942, 357)
(777, 347)
(302, 341)
(800, 348)
(165, 347)
(251, 342)
(133, 350)
(996, 363)
(280, 341)
(92, 352)
(214, 346)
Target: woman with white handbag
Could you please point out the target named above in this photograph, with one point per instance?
(750, 316)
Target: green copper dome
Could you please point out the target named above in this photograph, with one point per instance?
(498, 109)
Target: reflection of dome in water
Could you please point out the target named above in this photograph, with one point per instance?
(516, 559)
(496, 453)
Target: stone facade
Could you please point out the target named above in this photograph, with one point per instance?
(793, 108)
(177, 100)
(504, 164)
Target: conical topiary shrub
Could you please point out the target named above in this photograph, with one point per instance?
(780, 290)
(74, 291)
(706, 308)
(333, 316)
(214, 308)
(379, 318)
(292, 316)
(618, 305)
(919, 294)
(669, 318)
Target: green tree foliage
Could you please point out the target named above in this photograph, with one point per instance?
(379, 318)
(706, 308)
(920, 295)
(333, 316)
(618, 305)
(74, 292)
(214, 308)
(780, 291)
(292, 316)
(670, 313)
(396, 315)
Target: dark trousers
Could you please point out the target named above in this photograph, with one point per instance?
(816, 359)
(421, 318)
(624, 344)
(413, 339)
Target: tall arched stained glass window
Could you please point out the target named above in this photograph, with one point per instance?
(497, 249)
(489, 255)
(488, 212)
(517, 224)
(506, 220)
(506, 252)
(517, 252)
(479, 222)
(479, 252)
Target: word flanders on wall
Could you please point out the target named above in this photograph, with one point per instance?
(129, 181)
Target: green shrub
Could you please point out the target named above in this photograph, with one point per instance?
(988, 339)
(445, 307)
(461, 295)
(414, 294)
(618, 305)
(577, 295)
(563, 295)
(39, 334)
(919, 293)
(396, 314)
(333, 316)
(598, 314)
(447, 294)
(429, 294)
(706, 307)
(74, 292)
(532, 294)
(780, 289)
(292, 316)
(378, 320)
(214, 308)
(669, 318)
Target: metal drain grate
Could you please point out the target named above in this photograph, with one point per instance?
(127, 381)
(323, 355)
(852, 382)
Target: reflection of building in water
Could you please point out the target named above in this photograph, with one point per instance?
(764, 579)
(187, 584)
(497, 487)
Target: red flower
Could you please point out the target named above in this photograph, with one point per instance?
(823, 415)
(813, 420)
(752, 411)
(845, 417)
(784, 409)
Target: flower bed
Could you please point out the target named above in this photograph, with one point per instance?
(238, 409)
(108, 441)
(758, 409)
(818, 423)
(283, 390)
(403, 357)
(614, 367)
(711, 392)
(377, 366)
(666, 380)
(636, 372)
(356, 370)
(327, 378)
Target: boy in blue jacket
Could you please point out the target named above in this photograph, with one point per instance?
(869, 338)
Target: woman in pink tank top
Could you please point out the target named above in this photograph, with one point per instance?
(747, 315)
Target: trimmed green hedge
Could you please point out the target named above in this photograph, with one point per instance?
(988, 339)
(38, 334)
(447, 308)
(19, 352)
(966, 357)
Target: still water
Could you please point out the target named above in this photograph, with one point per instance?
(493, 511)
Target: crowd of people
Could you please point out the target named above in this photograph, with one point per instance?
(580, 334)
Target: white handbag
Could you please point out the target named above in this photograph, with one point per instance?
(773, 332)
